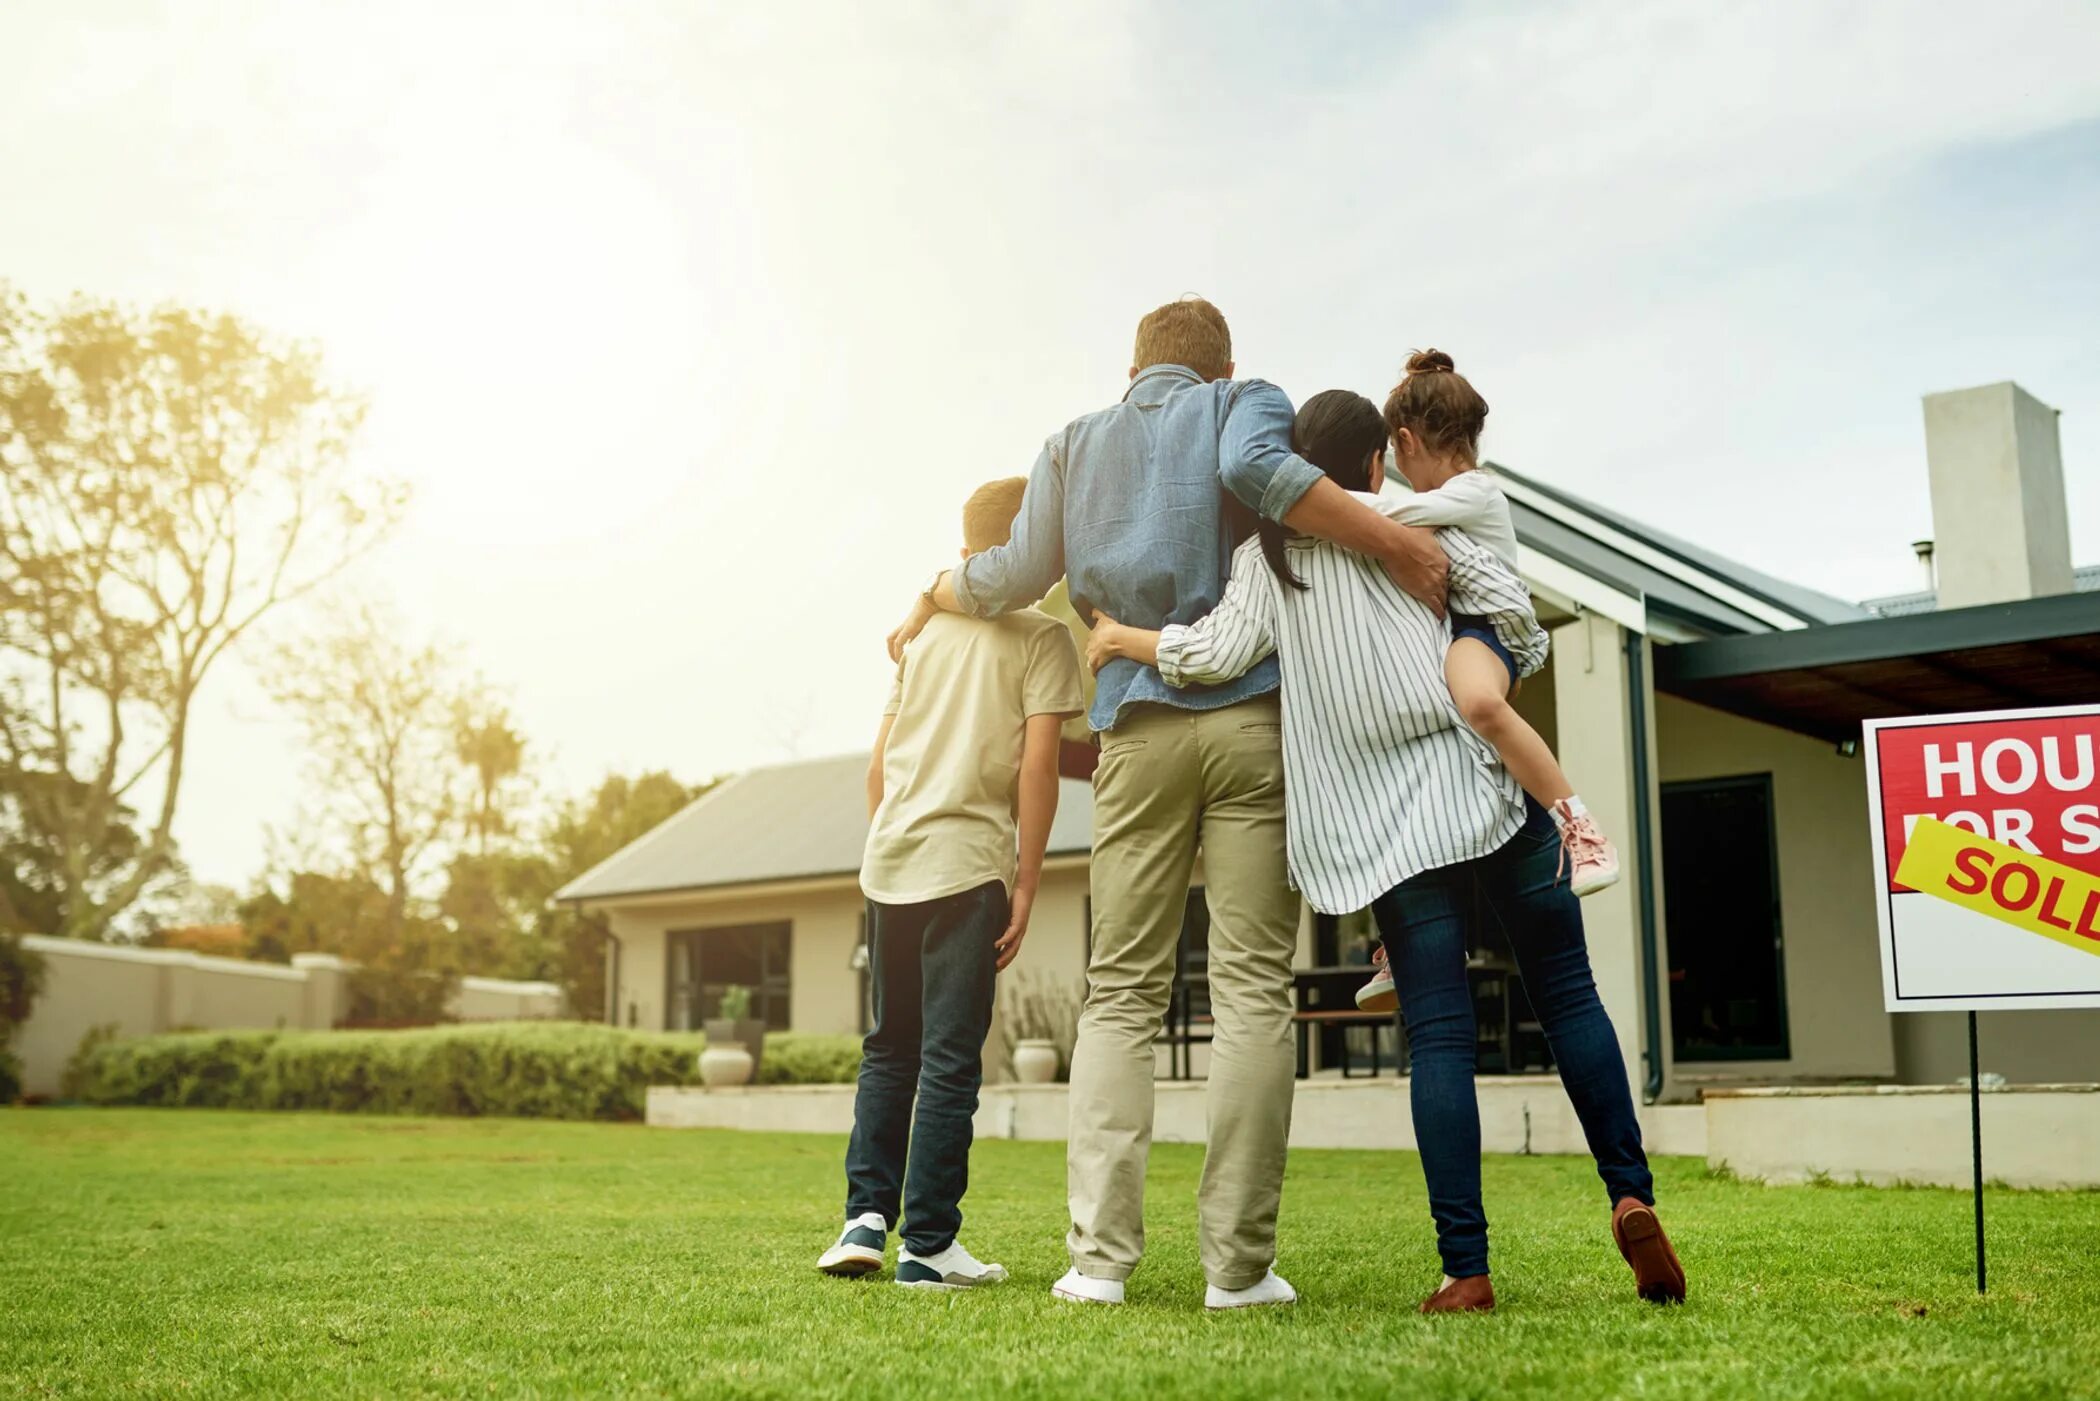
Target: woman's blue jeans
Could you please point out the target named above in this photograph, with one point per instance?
(1424, 923)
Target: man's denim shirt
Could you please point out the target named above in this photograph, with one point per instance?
(1126, 503)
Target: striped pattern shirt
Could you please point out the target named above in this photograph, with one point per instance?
(1382, 778)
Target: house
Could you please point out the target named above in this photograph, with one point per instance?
(756, 883)
(1708, 713)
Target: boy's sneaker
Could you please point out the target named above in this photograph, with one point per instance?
(1271, 1288)
(859, 1248)
(953, 1268)
(1085, 1289)
(1589, 860)
(1378, 995)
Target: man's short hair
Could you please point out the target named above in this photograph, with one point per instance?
(988, 516)
(1188, 332)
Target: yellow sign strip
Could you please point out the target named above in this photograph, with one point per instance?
(2010, 885)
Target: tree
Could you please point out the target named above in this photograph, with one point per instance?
(492, 751)
(377, 715)
(21, 980)
(312, 912)
(167, 479)
(482, 899)
(570, 946)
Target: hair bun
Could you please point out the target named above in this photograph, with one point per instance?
(1430, 362)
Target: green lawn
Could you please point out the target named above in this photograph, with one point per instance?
(190, 1252)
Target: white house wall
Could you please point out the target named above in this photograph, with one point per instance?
(1593, 734)
(825, 918)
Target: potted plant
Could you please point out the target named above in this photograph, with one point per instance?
(1042, 1022)
(736, 1041)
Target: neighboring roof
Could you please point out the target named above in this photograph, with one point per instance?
(798, 821)
(1824, 681)
(1693, 585)
(1902, 605)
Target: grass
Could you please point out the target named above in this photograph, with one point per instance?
(191, 1252)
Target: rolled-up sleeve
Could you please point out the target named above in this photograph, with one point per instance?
(1021, 571)
(1482, 584)
(1255, 460)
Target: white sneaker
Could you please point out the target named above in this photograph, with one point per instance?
(1271, 1288)
(1084, 1289)
(859, 1248)
(953, 1268)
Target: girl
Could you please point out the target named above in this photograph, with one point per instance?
(1392, 802)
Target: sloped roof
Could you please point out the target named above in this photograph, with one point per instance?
(796, 821)
(1567, 527)
(1903, 605)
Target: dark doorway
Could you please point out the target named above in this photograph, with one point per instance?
(1721, 888)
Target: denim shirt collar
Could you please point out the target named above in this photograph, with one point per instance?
(1152, 384)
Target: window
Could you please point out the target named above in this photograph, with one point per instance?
(704, 963)
(1721, 889)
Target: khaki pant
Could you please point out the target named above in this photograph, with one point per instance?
(1169, 781)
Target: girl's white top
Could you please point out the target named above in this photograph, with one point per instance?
(1382, 779)
(1472, 501)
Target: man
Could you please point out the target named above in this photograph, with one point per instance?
(1126, 505)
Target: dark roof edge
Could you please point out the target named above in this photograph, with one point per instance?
(1878, 639)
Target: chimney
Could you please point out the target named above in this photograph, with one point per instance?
(1999, 526)
(1923, 550)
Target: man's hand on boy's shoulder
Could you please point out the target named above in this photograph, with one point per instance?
(914, 623)
(1008, 945)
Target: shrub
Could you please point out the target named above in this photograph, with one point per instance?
(550, 1070)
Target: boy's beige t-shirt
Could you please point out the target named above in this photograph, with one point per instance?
(952, 765)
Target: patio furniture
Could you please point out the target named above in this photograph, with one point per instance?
(1326, 997)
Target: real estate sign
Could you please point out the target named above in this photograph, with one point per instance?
(1987, 858)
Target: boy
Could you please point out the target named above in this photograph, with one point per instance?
(968, 745)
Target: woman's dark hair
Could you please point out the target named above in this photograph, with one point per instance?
(1339, 432)
(1437, 404)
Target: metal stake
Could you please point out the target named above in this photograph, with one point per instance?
(1976, 1144)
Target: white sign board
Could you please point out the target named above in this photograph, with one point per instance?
(1987, 858)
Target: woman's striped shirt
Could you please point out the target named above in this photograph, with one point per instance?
(1382, 780)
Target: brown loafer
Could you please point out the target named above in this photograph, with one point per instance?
(1473, 1294)
(1657, 1275)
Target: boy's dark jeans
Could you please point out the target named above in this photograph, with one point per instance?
(1423, 922)
(933, 968)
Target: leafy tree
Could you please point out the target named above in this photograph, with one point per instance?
(167, 479)
(313, 912)
(483, 903)
(21, 980)
(38, 869)
(570, 946)
(490, 749)
(377, 718)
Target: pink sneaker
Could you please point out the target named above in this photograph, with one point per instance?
(1590, 861)
(1378, 995)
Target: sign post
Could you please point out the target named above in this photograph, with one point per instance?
(1986, 831)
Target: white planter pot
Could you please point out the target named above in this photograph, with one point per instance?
(1035, 1062)
(725, 1065)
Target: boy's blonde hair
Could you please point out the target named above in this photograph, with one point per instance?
(1188, 332)
(988, 516)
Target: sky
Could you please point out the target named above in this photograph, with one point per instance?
(691, 326)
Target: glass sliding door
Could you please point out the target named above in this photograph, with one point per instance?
(705, 963)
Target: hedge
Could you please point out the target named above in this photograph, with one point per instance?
(546, 1070)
